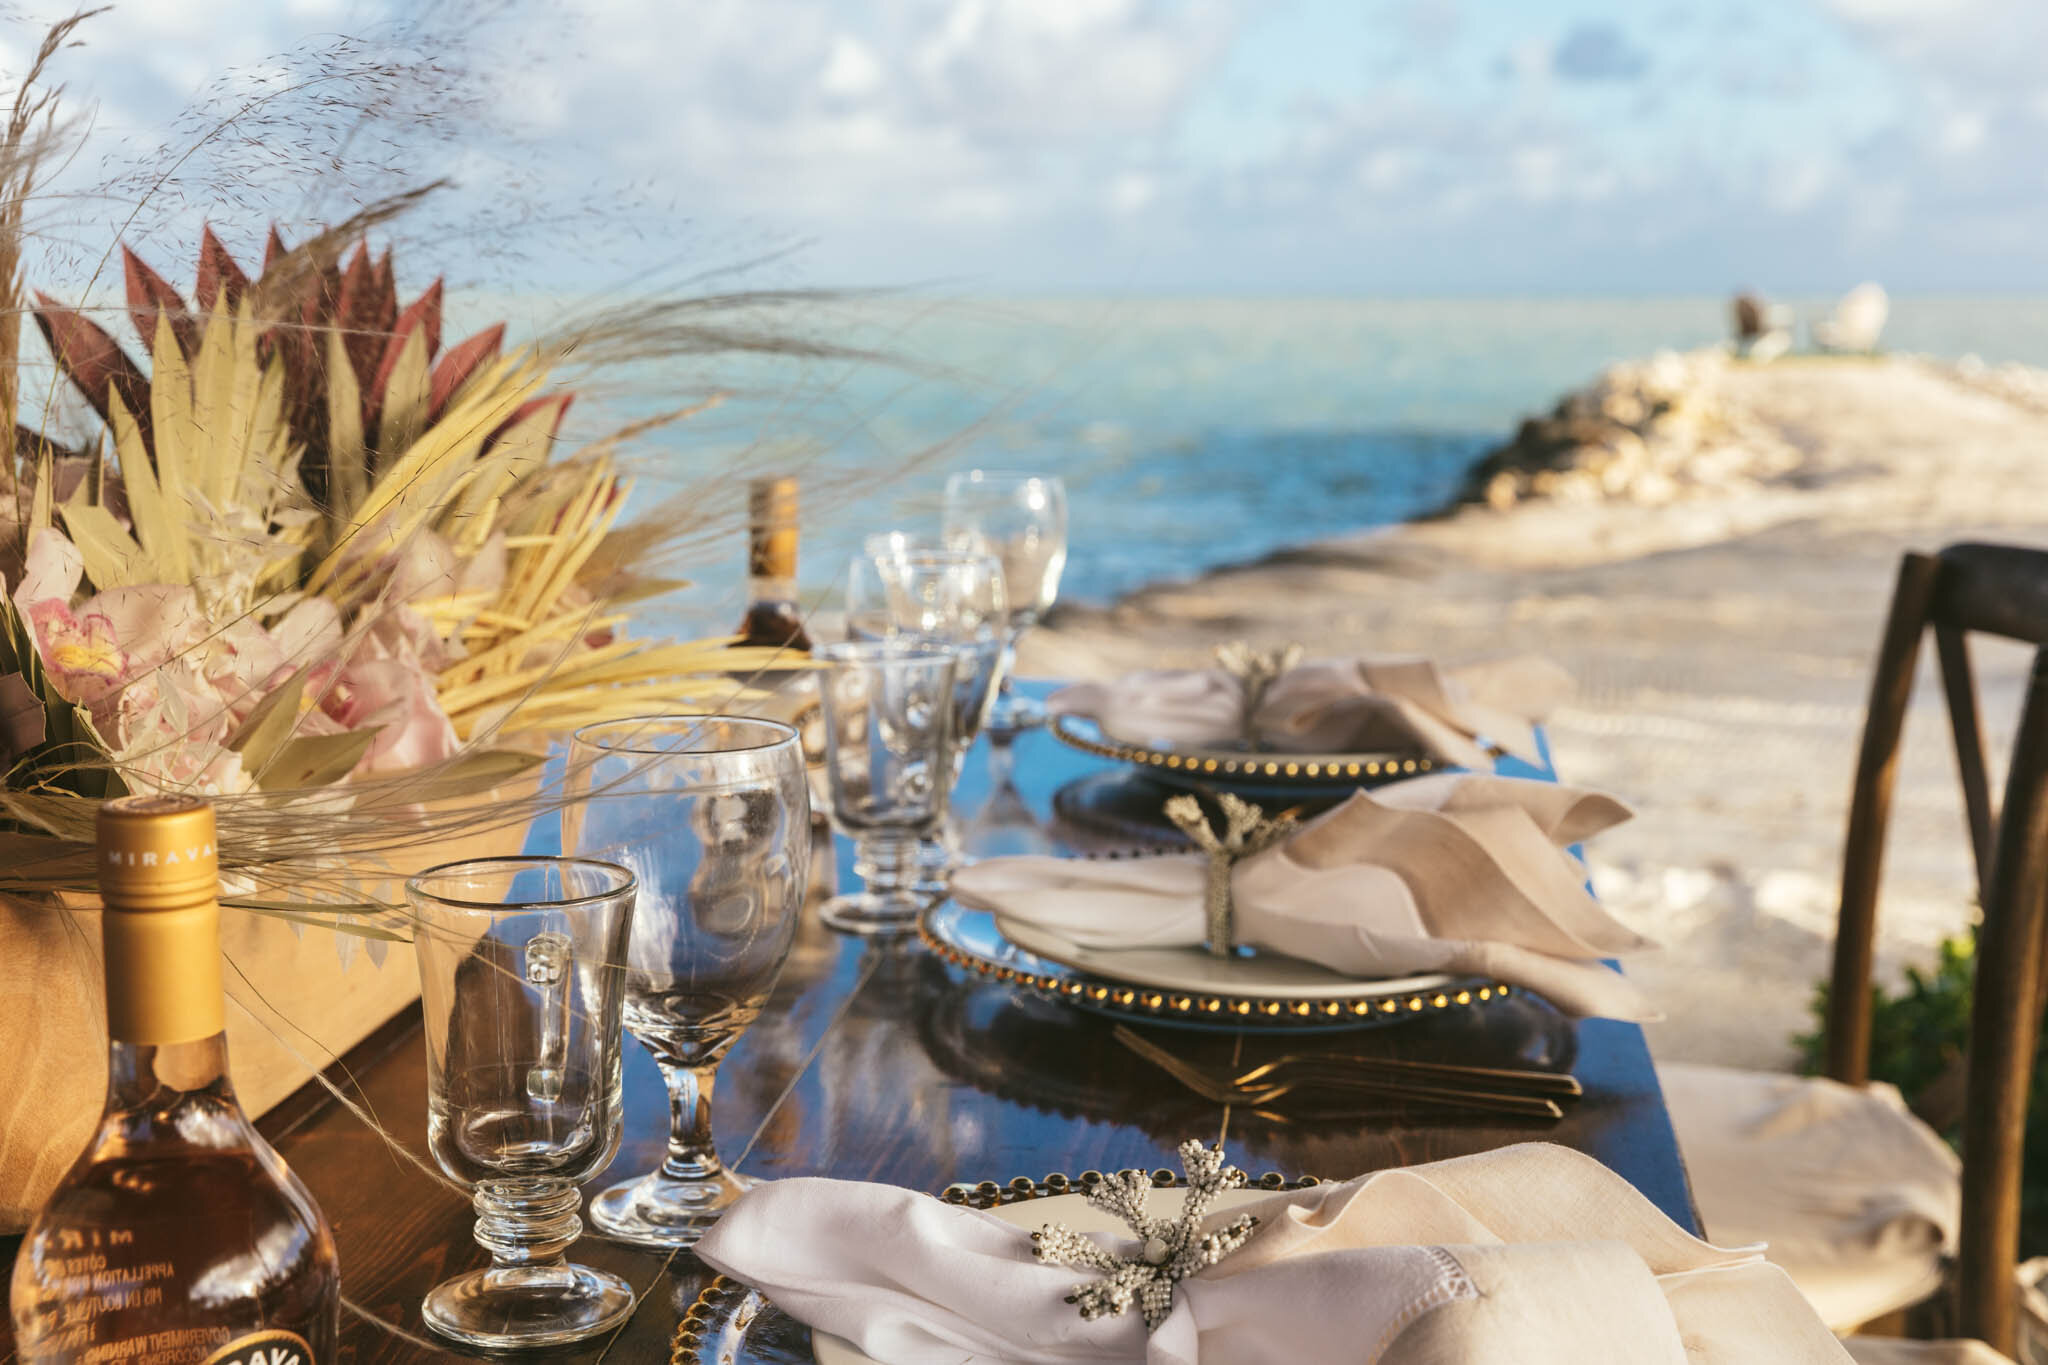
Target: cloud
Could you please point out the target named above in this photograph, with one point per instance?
(1598, 52)
(1076, 144)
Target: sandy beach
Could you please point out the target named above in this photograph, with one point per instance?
(1711, 560)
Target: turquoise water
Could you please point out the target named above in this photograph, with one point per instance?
(1195, 433)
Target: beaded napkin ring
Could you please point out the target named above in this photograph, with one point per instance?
(1174, 1248)
(1246, 830)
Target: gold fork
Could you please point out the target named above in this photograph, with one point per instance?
(1337, 1068)
(1223, 1091)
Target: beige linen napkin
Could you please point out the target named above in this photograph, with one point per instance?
(1336, 706)
(1857, 1198)
(1535, 1254)
(1449, 872)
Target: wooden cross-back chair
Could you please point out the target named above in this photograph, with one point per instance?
(2003, 591)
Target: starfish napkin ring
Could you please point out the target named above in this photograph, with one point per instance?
(1246, 830)
(1174, 1248)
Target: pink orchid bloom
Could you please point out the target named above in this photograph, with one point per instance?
(402, 633)
(169, 728)
(51, 572)
(309, 632)
(81, 650)
(424, 567)
(155, 622)
(398, 695)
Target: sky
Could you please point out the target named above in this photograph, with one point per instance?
(1206, 147)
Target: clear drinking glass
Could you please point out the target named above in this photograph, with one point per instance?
(1022, 520)
(522, 977)
(712, 813)
(889, 708)
(906, 589)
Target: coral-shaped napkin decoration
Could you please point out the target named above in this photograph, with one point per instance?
(1246, 831)
(1174, 1249)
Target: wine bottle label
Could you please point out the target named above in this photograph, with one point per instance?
(268, 1347)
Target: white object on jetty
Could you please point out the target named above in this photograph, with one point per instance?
(1857, 322)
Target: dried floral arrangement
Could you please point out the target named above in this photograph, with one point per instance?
(312, 561)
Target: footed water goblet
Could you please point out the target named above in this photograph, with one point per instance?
(889, 768)
(522, 979)
(910, 590)
(713, 815)
(1021, 519)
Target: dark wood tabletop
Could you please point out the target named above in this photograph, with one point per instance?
(882, 1063)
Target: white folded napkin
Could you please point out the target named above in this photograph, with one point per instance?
(1535, 1254)
(1336, 706)
(1448, 872)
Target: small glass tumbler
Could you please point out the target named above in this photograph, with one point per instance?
(713, 814)
(889, 717)
(522, 980)
(910, 590)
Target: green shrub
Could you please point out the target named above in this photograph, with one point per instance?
(1917, 1041)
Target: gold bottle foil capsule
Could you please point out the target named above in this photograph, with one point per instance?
(159, 878)
(772, 528)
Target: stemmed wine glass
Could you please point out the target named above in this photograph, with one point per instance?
(1022, 520)
(522, 974)
(912, 591)
(712, 813)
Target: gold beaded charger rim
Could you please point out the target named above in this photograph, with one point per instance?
(972, 941)
(714, 1328)
(1227, 767)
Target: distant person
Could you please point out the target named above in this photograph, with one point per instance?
(1857, 322)
(1763, 330)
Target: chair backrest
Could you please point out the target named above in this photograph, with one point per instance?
(1999, 590)
(1994, 589)
(2005, 1019)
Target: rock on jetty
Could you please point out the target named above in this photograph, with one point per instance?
(1649, 432)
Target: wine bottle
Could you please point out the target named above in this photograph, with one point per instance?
(178, 1237)
(773, 619)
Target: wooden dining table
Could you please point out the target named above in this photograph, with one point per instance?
(879, 1061)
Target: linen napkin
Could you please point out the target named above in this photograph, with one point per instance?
(1336, 706)
(1535, 1254)
(1448, 872)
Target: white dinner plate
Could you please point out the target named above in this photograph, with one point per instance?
(1270, 976)
(1072, 1209)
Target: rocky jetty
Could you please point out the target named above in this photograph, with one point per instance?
(1649, 432)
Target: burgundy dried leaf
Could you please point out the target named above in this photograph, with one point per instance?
(94, 362)
(151, 295)
(29, 445)
(357, 314)
(460, 362)
(304, 348)
(428, 306)
(273, 247)
(221, 282)
(559, 402)
(425, 313)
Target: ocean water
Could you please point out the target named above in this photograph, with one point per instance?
(1190, 434)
